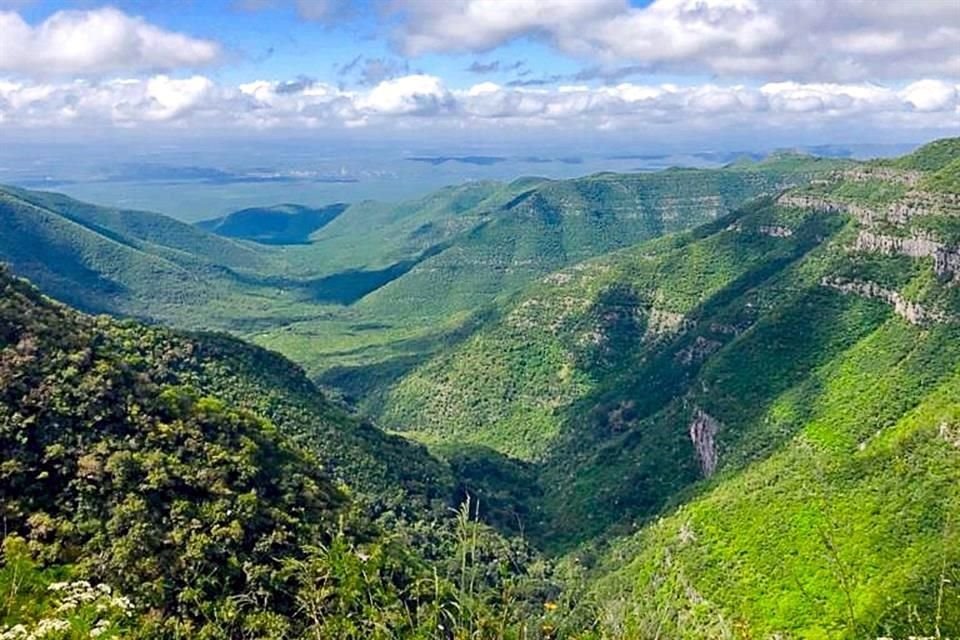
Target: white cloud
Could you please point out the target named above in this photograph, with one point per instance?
(198, 103)
(95, 42)
(409, 95)
(775, 39)
(476, 25)
(930, 95)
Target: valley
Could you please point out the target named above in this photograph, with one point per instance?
(694, 403)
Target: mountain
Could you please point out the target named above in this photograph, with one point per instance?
(748, 428)
(126, 262)
(160, 485)
(552, 224)
(367, 290)
(479, 241)
(280, 224)
(745, 429)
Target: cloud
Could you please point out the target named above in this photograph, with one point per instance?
(96, 42)
(420, 95)
(484, 67)
(301, 84)
(199, 103)
(495, 66)
(313, 10)
(368, 72)
(841, 40)
(930, 95)
(535, 82)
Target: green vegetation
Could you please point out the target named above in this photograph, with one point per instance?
(945, 180)
(930, 157)
(597, 375)
(743, 429)
(369, 289)
(282, 224)
(142, 499)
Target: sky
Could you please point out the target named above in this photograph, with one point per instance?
(522, 72)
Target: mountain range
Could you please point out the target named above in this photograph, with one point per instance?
(684, 404)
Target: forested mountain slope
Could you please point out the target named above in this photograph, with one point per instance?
(769, 400)
(157, 485)
(562, 222)
(749, 429)
(280, 224)
(843, 523)
(483, 240)
(363, 290)
(119, 261)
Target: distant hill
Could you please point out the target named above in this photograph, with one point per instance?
(370, 284)
(130, 262)
(552, 224)
(280, 224)
(544, 226)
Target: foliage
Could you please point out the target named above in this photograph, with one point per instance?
(931, 157)
(744, 429)
(281, 224)
(214, 522)
(595, 375)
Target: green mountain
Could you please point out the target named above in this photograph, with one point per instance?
(551, 224)
(759, 413)
(747, 428)
(124, 262)
(360, 292)
(462, 247)
(280, 224)
(159, 485)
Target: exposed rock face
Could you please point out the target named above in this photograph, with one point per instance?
(703, 432)
(915, 204)
(698, 351)
(946, 260)
(912, 312)
(665, 323)
(815, 203)
(775, 231)
(950, 433)
(726, 329)
(883, 174)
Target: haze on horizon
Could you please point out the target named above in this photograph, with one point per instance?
(334, 98)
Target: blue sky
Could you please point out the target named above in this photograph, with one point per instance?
(813, 69)
(275, 41)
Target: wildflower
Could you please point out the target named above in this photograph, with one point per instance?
(14, 633)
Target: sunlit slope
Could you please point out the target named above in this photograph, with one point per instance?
(126, 262)
(768, 401)
(553, 224)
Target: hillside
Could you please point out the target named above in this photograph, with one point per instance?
(157, 485)
(482, 240)
(364, 291)
(557, 223)
(767, 401)
(747, 429)
(125, 262)
(280, 224)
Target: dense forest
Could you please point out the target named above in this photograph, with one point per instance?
(688, 404)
